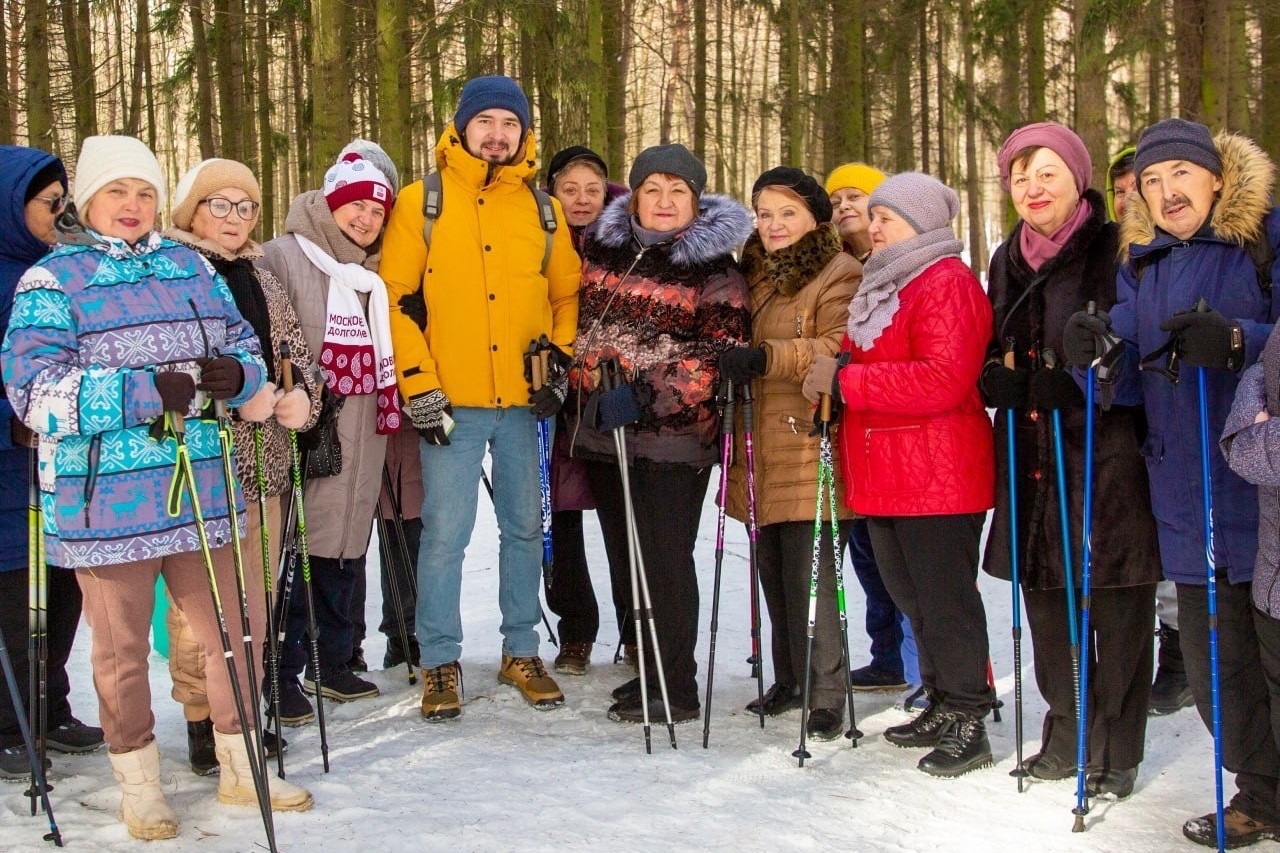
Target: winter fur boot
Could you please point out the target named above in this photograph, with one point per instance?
(235, 785)
(144, 809)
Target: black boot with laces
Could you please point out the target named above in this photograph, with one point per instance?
(962, 747)
(924, 730)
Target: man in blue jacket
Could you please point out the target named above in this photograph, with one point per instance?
(1205, 235)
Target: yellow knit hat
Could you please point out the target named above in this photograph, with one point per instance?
(859, 176)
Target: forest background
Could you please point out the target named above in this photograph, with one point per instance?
(933, 85)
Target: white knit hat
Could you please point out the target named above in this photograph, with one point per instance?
(104, 159)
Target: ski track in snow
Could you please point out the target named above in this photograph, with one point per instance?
(505, 776)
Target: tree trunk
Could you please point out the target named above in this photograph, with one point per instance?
(1239, 73)
(1156, 63)
(700, 79)
(1034, 19)
(133, 120)
(900, 122)
(1189, 42)
(616, 52)
(1269, 117)
(432, 49)
(789, 92)
(39, 100)
(395, 129)
(1215, 68)
(203, 116)
(7, 132)
(473, 40)
(977, 247)
(940, 39)
(266, 137)
(597, 98)
(922, 56)
(228, 38)
(331, 100)
(1089, 22)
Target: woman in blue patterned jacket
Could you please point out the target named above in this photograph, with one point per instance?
(113, 328)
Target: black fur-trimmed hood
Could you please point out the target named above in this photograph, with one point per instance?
(790, 269)
(722, 224)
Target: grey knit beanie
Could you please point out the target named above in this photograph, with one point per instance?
(673, 159)
(924, 202)
(1177, 139)
(375, 154)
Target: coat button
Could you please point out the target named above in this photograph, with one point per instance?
(480, 201)
(495, 347)
(488, 248)
(492, 297)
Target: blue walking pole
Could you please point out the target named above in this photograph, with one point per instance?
(1212, 589)
(1019, 772)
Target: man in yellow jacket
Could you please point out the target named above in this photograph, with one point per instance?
(490, 287)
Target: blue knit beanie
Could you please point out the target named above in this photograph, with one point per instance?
(490, 93)
(1177, 139)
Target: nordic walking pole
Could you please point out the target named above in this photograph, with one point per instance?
(271, 651)
(37, 766)
(724, 401)
(753, 533)
(397, 602)
(184, 481)
(538, 357)
(824, 418)
(1086, 576)
(1019, 772)
(826, 461)
(304, 556)
(37, 633)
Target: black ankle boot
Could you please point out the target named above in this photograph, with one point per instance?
(962, 747)
(924, 730)
(1170, 691)
(200, 747)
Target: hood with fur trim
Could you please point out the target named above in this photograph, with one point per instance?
(1248, 178)
(722, 224)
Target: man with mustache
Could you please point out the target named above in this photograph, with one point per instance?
(1202, 230)
(486, 284)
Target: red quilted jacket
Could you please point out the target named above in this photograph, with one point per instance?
(914, 436)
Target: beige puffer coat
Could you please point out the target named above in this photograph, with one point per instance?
(799, 308)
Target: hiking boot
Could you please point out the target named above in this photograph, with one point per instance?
(574, 658)
(342, 685)
(14, 766)
(962, 747)
(778, 699)
(1049, 767)
(74, 737)
(631, 711)
(529, 676)
(295, 707)
(1118, 783)
(924, 730)
(441, 687)
(395, 653)
(626, 690)
(200, 750)
(873, 679)
(357, 662)
(1240, 829)
(825, 723)
(1170, 691)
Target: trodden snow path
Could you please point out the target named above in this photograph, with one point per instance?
(507, 777)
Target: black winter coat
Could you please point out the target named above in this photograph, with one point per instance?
(1125, 551)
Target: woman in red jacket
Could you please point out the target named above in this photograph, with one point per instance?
(916, 447)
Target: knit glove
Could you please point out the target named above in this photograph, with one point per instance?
(414, 306)
(822, 378)
(427, 413)
(1004, 387)
(177, 390)
(1206, 339)
(221, 378)
(547, 399)
(258, 408)
(1053, 388)
(742, 364)
(292, 408)
(616, 408)
(1088, 337)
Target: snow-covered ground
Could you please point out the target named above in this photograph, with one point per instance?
(506, 777)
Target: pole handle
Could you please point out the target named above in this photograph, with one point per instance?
(824, 409)
(1009, 344)
(286, 367)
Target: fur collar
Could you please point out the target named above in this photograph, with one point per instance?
(720, 227)
(1248, 177)
(789, 270)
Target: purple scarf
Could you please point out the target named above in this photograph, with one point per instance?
(1037, 249)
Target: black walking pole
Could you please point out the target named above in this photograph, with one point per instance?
(753, 533)
(724, 401)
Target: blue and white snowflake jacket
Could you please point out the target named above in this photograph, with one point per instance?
(91, 325)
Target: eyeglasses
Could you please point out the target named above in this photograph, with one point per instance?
(221, 207)
(57, 203)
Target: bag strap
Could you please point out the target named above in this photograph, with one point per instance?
(433, 204)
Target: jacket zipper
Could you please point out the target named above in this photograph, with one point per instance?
(91, 479)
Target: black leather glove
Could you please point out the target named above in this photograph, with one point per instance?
(1053, 388)
(742, 364)
(414, 306)
(617, 407)
(222, 378)
(177, 390)
(1088, 337)
(1004, 387)
(427, 413)
(1206, 339)
(546, 400)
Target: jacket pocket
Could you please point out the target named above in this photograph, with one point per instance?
(898, 459)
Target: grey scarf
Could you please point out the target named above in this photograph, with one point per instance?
(886, 272)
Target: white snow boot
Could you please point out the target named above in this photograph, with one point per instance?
(143, 808)
(235, 785)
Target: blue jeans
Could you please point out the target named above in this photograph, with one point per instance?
(451, 476)
(884, 621)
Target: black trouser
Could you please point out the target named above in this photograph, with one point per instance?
(571, 596)
(1120, 641)
(785, 557)
(930, 567)
(405, 574)
(63, 617)
(1249, 666)
(332, 582)
(884, 625)
(668, 506)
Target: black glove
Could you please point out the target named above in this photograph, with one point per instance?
(742, 364)
(1088, 337)
(1206, 339)
(1053, 388)
(177, 390)
(222, 378)
(547, 400)
(1004, 387)
(427, 413)
(414, 306)
(616, 407)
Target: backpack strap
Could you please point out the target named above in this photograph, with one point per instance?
(547, 215)
(432, 203)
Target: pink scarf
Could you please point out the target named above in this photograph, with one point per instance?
(1037, 249)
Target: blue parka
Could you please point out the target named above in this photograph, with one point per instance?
(1161, 275)
(19, 249)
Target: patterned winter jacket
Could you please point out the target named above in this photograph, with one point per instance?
(666, 312)
(91, 326)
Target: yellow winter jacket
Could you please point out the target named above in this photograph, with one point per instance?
(485, 292)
